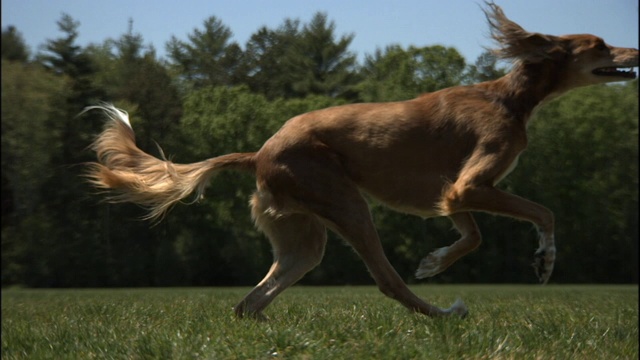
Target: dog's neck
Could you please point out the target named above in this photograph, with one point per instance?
(526, 87)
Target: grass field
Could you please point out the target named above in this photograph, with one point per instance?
(505, 322)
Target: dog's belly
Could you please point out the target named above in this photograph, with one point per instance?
(412, 194)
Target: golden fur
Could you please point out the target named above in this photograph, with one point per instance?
(440, 154)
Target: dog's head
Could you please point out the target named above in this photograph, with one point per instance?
(593, 61)
(583, 59)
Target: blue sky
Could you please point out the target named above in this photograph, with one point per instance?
(375, 23)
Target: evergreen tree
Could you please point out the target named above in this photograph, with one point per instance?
(322, 64)
(209, 58)
(60, 254)
(296, 62)
(267, 62)
(13, 45)
(28, 144)
(135, 80)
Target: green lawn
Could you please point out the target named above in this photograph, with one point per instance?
(505, 322)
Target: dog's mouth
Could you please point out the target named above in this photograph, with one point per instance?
(624, 72)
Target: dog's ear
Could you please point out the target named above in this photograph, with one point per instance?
(518, 44)
(536, 47)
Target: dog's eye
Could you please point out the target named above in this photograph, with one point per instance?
(602, 47)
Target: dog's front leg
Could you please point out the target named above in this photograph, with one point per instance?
(440, 259)
(462, 198)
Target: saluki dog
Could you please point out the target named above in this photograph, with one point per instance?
(440, 154)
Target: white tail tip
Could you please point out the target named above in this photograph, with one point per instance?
(112, 111)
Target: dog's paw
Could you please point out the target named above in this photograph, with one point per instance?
(458, 308)
(543, 261)
(432, 264)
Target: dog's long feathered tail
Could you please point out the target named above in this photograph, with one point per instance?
(140, 178)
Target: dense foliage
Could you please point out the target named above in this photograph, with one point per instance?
(213, 96)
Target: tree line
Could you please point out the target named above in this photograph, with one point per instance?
(211, 96)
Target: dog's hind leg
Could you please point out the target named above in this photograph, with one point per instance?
(347, 213)
(440, 259)
(298, 242)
